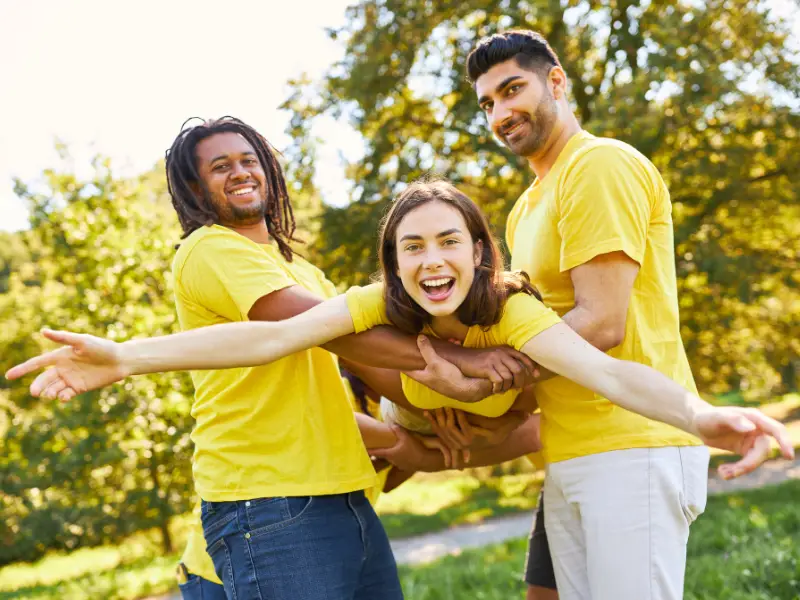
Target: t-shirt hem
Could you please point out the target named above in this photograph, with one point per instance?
(278, 490)
(623, 444)
(585, 255)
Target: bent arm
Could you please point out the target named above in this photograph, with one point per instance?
(633, 386)
(244, 344)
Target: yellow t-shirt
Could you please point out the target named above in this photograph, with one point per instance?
(374, 411)
(282, 429)
(195, 557)
(603, 196)
(523, 318)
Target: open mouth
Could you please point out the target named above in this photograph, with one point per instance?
(438, 289)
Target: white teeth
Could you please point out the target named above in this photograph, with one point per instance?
(243, 191)
(437, 282)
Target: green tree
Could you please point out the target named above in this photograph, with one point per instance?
(118, 460)
(704, 89)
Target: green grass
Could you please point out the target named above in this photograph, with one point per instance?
(432, 503)
(746, 547)
(749, 537)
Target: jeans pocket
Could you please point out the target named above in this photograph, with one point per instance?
(221, 557)
(214, 516)
(265, 517)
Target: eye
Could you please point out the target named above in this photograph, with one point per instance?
(487, 106)
(513, 89)
(450, 242)
(250, 161)
(219, 167)
(412, 247)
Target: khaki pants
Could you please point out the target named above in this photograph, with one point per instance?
(618, 522)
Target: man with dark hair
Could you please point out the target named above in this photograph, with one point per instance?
(594, 233)
(279, 462)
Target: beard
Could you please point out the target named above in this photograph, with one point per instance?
(230, 214)
(541, 125)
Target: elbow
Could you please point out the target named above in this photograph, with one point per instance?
(609, 336)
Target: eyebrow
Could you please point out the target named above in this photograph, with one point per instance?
(415, 236)
(500, 87)
(224, 156)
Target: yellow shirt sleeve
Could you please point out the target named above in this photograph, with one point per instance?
(227, 275)
(367, 306)
(604, 202)
(524, 317)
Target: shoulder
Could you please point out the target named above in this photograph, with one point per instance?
(606, 157)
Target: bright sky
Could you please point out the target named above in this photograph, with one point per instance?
(119, 78)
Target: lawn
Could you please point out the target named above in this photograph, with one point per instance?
(749, 542)
(746, 547)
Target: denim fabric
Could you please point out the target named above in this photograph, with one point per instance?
(309, 548)
(198, 588)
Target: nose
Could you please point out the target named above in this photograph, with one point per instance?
(500, 114)
(238, 171)
(432, 259)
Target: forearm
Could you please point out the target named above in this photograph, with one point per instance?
(243, 344)
(385, 382)
(382, 347)
(582, 322)
(643, 390)
(374, 433)
(521, 441)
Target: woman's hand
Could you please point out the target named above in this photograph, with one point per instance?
(84, 363)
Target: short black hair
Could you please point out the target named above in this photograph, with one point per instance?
(528, 48)
(195, 212)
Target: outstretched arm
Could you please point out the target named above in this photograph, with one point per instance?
(644, 390)
(87, 362)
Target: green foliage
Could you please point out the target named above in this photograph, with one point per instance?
(703, 89)
(116, 461)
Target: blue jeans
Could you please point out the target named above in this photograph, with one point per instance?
(301, 548)
(198, 588)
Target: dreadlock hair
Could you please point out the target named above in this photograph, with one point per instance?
(528, 48)
(183, 178)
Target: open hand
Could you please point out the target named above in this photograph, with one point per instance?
(84, 363)
(743, 431)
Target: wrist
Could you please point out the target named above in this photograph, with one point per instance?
(131, 359)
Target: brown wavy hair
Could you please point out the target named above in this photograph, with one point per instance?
(492, 284)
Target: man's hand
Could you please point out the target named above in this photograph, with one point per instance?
(84, 363)
(743, 431)
(451, 426)
(505, 367)
(410, 454)
(444, 377)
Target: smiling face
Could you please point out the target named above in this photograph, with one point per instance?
(436, 257)
(520, 106)
(232, 174)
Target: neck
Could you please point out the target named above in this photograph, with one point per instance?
(543, 161)
(256, 232)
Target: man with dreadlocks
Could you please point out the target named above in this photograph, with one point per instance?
(279, 463)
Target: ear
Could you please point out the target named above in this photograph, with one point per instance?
(478, 253)
(557, 80)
